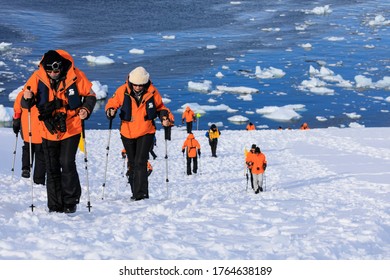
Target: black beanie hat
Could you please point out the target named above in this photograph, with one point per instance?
(257, 150)
(52, 60)
(253, 146)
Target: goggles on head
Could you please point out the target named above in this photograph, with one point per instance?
(56, 66)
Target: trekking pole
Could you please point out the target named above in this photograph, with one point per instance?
(247, 180)
(13, 163)
(265, 181)
(200, 169)
(86, 164)
(107, 148)
(30, 148)
(124, 166)
(166, 166)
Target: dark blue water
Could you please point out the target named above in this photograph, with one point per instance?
(112, 28)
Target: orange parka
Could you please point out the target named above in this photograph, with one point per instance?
(250, 126)
(139, 123)
(188, 115)
(22, 113)
(259, 162)
(192, 145)
(249, 159)
(75, 80)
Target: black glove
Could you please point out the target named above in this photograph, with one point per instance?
(28, 103)
(264, 166)
(183, 151)
(46, 110)
(199, 152)
(50, 125)
(109, 112)
(16, 125)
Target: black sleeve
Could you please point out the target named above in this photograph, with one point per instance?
(89, 103)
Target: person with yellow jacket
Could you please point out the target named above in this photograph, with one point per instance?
(193, 150)
(20, 122)
(188, 116)
(64, 98)
(213, 134)
(259, 164)
(140, 104)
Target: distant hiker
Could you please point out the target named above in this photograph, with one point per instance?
(140, 104)
(213, 134)
(249, 162)
(193, 150)
(250, 126)
(21, 122)
(304, 126)
(64, 98)
(259, 164)
(188, 116)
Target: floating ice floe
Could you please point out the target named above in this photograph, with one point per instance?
(211, 47)
(219, 75)
(379, 21)
(5, 113)
(169, 37)
(204, 86)
(136, 51)
(319, 79)
(319, 10)
(239, 90)
(284, 113)
(334, 38)
(269, 73)
(202, 109)
(98, 60)
(353, 115)
(100, 90)
(306, 46)
(14, 93)
(238, 119)
(364, 82)
(5, 46)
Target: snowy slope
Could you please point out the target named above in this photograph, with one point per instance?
(327, 197)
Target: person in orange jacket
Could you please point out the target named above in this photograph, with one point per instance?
(249, 162)
(304, 126)
(250, 126)
(64, 98)
(188, 116)
(259, 164)
(140, 104)
(193, 150)
(20, 122)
